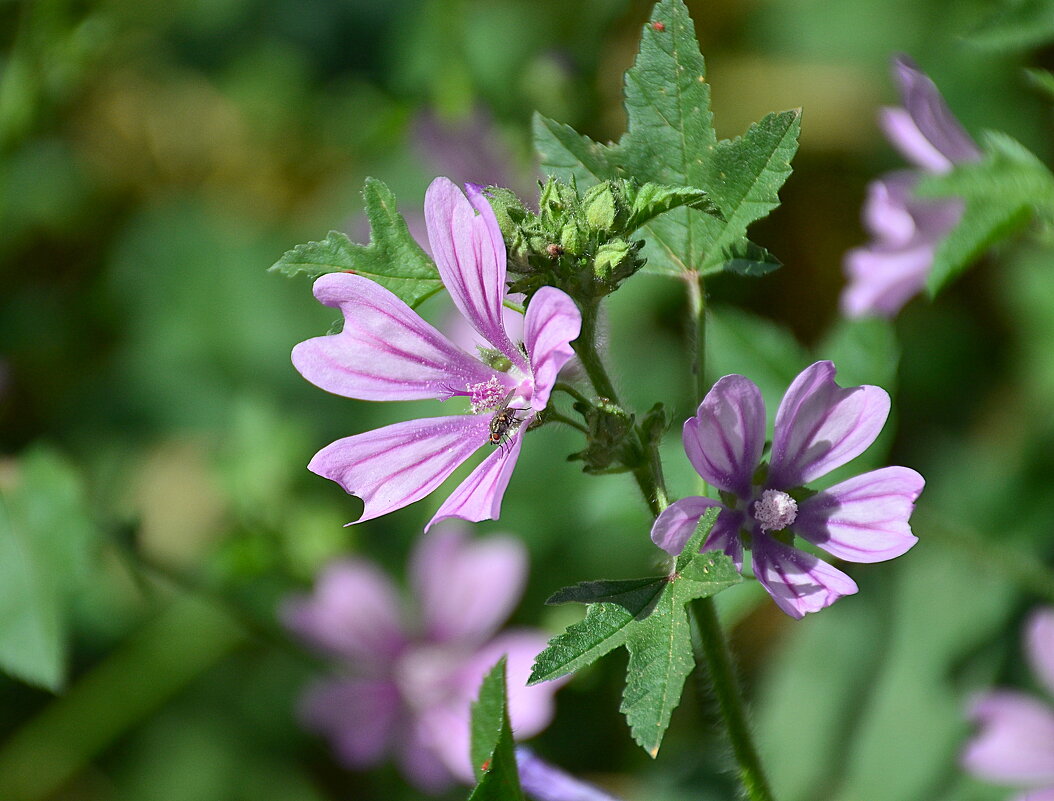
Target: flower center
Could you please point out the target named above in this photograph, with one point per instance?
(775, 510)
(487, 395)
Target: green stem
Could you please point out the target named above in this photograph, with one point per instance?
(712, 642)
(718, 658)
(555, 417)
(697, 332)
(570, 390)
(589, 354)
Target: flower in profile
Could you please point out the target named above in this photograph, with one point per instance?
(1014, 744)
(387, 352)
(888, 272)
(819, 427)
(408, 677)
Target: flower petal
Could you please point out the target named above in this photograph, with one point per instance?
(419, 761)
(552, 322)
(1015, 742)
(882, 280)
(1040, 637)
(863, 519)
(358, 717)
(392, 467)
(798, 582)
(885, 213)
(925, 131)
(821, 426)
(544, 782)
(470, 254)
(466, 588)
(1046, 794)
(385, 350)
(675, 526)
(354, 613)
(725, 439)
(479, 496)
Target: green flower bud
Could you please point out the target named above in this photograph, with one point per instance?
(600, 207)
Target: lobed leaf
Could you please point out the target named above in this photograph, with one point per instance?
(492, 749)
(647, 616)
(392, 258)
(671, 141)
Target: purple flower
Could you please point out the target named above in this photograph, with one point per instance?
(819, 426)
(387, 352)
(408, 680)
(907, 230)
(1015, 742)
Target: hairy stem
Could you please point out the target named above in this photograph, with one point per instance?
(697, 332)
(586, 346)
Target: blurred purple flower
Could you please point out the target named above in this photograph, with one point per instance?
(387, 352)
(407, 686)
(819, 426)
(544, 782)
(1015, 742)
(892, 269)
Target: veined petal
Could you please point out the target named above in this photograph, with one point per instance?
(392, 467)
(725, 439)
(932, 124)
(353, 613)
(466, 588)
(1040, 636)
(863, 519)
(470, 254)
(798, 582)
(358, 716)
(385, 351)
(479, 496)
(1015, 741)
(821, 426)
(675, 526)
(552, 322)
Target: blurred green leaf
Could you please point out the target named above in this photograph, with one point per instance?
(649, 618)
(393, 258)
(46, 541)
(671, 140)
(493, 751)
(1016, 25)
(1001, 194)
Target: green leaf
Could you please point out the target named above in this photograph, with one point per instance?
(636, 596)
(651, 200)
(648, 617)
(671, 141)
(493, 751)
(1001, 193)
(1016, 26)
(46, 541)
(393, 258)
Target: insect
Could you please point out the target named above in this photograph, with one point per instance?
(504, 422)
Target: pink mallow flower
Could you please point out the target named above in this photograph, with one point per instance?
(819, 426)
(892, 268)
(408, 679)
(1015, 742)
(387, 352)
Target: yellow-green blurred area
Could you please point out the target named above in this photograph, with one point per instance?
(157, 157)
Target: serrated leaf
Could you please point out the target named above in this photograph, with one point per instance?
(657, 638)
(670, 140)
(392, 258)
(1001, 193)
(636, 596)
(493, 751)
(746, 258)
(46, 540)
(651, 200)
(660, 659)
(603, 629)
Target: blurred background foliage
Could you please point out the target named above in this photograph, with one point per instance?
(155, 158)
